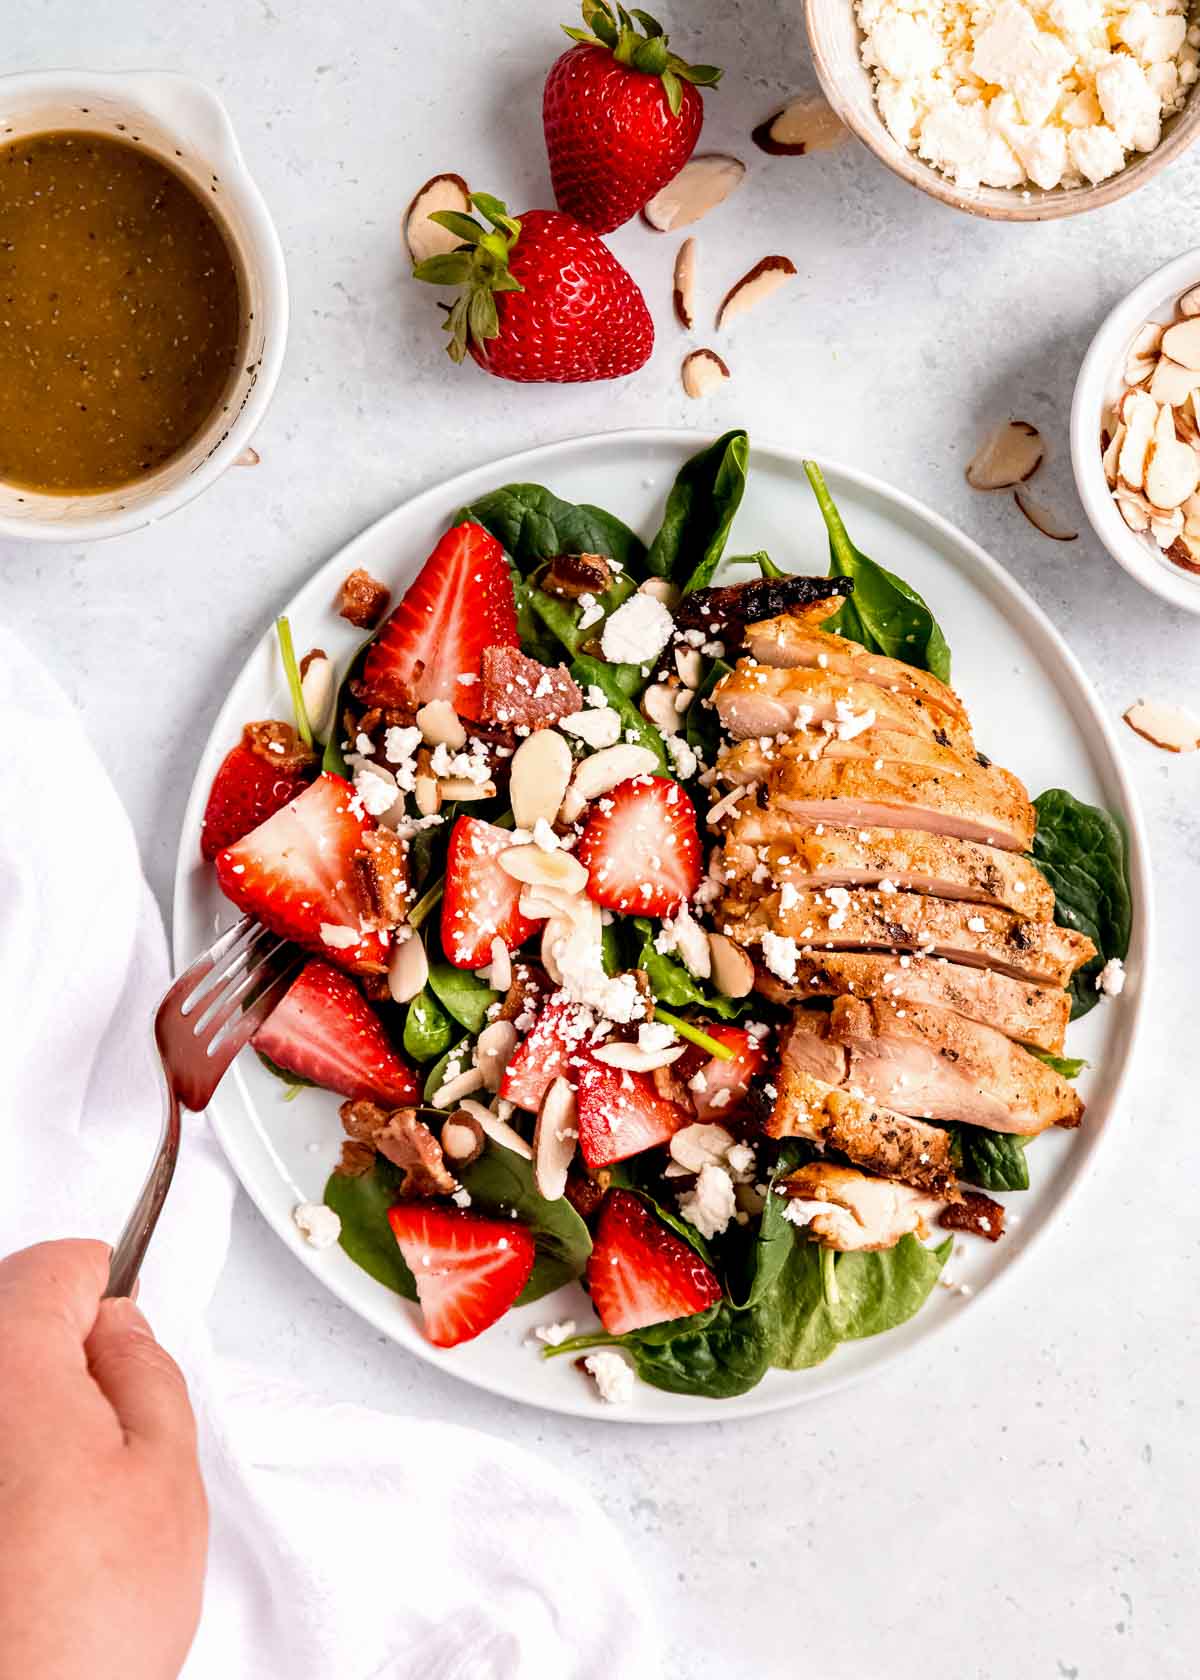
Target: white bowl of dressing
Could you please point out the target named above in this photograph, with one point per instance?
(183, 125)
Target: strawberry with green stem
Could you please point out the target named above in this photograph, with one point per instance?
(622, 114)
(542, 298)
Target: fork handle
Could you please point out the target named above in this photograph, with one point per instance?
(134, 1240)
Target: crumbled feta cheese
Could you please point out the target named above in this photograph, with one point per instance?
(654, 1036)
(637, 632)
(377, 790)
(976, 924)
(554, 1335)
(710, 1204)
(339, 938)
(600, 726)
(683, 757)
(612, 1376)
(317, 1224)
(590, 612)
(1111, 978)
(544, 837)
(780, 955)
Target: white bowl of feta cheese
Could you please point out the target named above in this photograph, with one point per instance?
(1019, 110)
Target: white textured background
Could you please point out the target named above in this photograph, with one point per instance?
(1020, 1500)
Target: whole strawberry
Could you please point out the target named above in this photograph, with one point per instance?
(543, 298)
(621, 115)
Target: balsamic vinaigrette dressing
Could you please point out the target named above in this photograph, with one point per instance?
(119, 313)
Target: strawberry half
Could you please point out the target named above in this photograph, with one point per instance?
(482, 901)
(468, 1270)
(621, 114)
(640, 1273)
(543, 298)
(548, 1051)
(325, 1031)
(736, 1076)
(246, 790)
(296, 873)
(460, 602)
(620, 1113)
(641, 848)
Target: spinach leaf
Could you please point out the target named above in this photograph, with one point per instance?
(702, 730)
(1081, 851)
(461, 994)
(361, 1204)
(589, 672)
(295, 1082)
(992, 1160)
(700, 508)
(436, 1077)
(536, 640)
(883, 614)
(428, 1030)
(534, 524)
(1069, 1066)
(561, 618)
(674, 986)
(501, 1183)
(879, 1291)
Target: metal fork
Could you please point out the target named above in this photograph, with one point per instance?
(210, 1013)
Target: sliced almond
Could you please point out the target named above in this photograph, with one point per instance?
(429, 239)
(248, 458)
(555, 933)
(684, 294)
(457, 1089)
(702, 372)
(539, 775)
(1189, 303)
(1112, 454)
(1182, 343)
(1143, 352)
(658, 705)
(408, 969)
(806, 124)
(500, 973)
(538, 868)
(1173, 728)
(494, 1050)
(1166, 531)
(1191, 515)
(458, 787)
(498, 1130)
(1010, 456)
(1172, 468)
(662, 589)
(607, 768)
(1185, 552)
(691, 943)
(319, 689)
(440, 725)
(732, 969)
(540, 902)
(689, 662)
(1132, 512)
(702, 184)
(1042, 519)
(1140, 415)
(1171, 383)
(703, 1144)
(461, 1139)
(554, 1139)
(631, 1058)
(428, 795)
(756, 285)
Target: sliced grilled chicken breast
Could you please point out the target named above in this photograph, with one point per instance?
(857, 792)
(930, 1062)
(848, 1210)
(1026, 1013)
(757, 700)
(769, 848)
(848, 920)
(876, 1138)
(793, 639)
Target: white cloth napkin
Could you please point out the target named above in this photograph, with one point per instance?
(346, 1544)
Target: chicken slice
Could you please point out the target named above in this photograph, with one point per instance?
(766, 847)
(848, 1210)
(886, 1143)
(845, 920)
(1029, 1014)
(793, 639)
(756, 700)
(930, 1062)
(857, 792)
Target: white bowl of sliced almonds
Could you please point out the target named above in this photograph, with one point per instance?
(1135, 432)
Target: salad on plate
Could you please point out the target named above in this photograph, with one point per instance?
(668, 933)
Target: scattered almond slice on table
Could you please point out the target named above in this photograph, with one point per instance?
(702, 372)
(702, 184)
(1173, 728)
(1042, 519)
(1010, 456)
(805, 124)
(766, 277)
(684, 294)
(426, 238)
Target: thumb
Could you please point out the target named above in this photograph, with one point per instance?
(139, 1379)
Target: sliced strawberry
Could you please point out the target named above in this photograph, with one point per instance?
(641, 848)
(296, 873)
(735, 1077)
(246, 790)
(481, 902)
(460, 602)
(621, 1113)
(325, 1031)
(469, 1270)
(640, 1273)
(548, 1051)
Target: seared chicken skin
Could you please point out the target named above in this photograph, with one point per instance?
(930, 1062)
(767, 848)
(1029, 1014)
(754, 760)
(844, 920)
(761, 700)
(848, 1210)
(886, 1143)
(794, 640)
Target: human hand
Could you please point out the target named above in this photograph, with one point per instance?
(103, 1520)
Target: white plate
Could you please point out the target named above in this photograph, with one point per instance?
(1033, 710)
